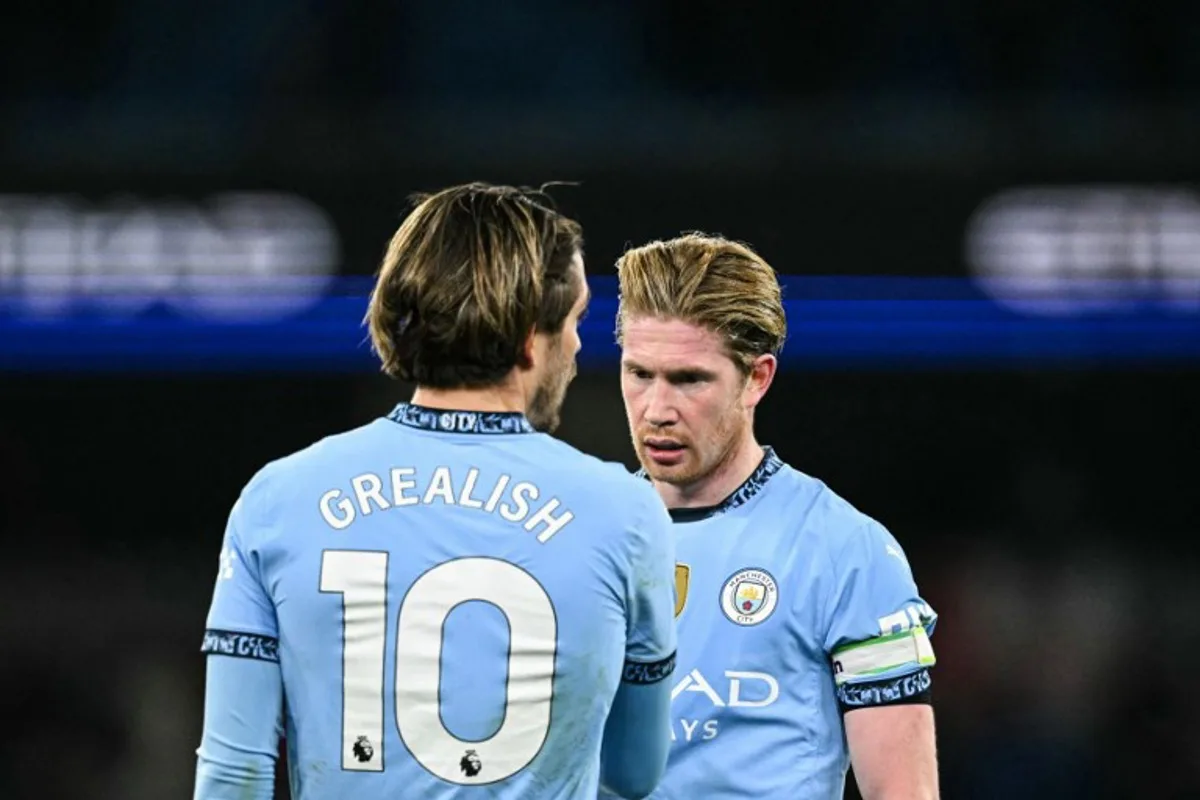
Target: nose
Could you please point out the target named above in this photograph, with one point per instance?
(661, 409)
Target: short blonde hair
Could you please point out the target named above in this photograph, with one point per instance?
(710, 281)
(469, 274)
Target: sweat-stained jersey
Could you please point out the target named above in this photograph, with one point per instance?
(451, 599)
(793, 607)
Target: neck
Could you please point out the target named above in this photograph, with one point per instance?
(714, 487)
(506, 396)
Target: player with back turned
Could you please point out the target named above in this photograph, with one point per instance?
(803, 642)
(446, 597)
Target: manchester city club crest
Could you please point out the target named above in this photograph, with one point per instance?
(749, 596)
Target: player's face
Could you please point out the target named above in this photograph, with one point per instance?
(557, 355)
(684, 396)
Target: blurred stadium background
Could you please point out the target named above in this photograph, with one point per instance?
(988, 215)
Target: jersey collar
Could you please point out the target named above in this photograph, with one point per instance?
(447, 421)
(769, 465)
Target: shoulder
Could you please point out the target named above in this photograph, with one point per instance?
(318, 454)
(823, 519)
(279, 478)
(608, 481)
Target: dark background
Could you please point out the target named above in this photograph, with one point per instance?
(1048, 507)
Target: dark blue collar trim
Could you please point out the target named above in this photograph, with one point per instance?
(769, 465)
(447, 421)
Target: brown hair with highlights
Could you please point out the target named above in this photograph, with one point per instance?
(710, 281)
(470, 273)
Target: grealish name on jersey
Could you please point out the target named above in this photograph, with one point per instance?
(516, 502)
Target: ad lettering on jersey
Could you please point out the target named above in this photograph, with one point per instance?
(735, 690)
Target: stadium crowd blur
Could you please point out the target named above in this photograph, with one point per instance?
(1050, 512)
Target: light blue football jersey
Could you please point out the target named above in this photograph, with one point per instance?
(452, 599)
(793, 606)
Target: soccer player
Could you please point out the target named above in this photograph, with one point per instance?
(803, 642)
(446, 598)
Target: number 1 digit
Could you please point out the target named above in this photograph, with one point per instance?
(361, 578)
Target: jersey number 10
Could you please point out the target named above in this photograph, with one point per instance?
(361, 578)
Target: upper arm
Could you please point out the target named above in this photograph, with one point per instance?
(878, 644)
(240, 602)
(243, 690)
(878, 625)
(650, 594)
(637, 734)
(893, 753)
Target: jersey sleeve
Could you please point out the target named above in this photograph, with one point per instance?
(878, 624)
(244, 688)
(637, 739)
(241, 620)
(650, 596)
(243, 701)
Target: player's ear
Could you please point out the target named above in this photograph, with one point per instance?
(762, 373)
(525, 356)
